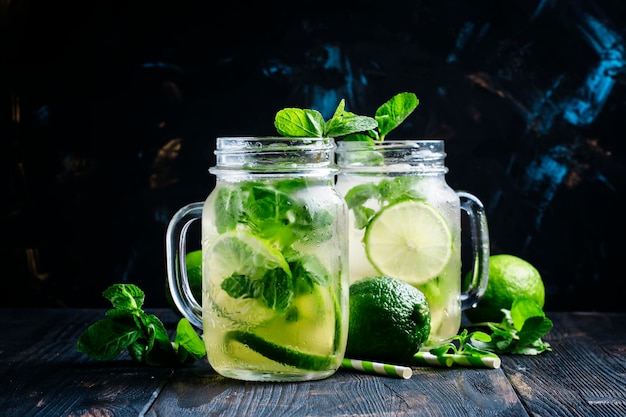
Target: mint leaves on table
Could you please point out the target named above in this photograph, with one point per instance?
(520, 332)
(127, 326)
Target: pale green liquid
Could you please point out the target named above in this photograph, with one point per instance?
(314, 324)
(443, 291)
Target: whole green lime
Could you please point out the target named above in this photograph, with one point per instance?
(510, 278)
(193, 265)
(193, 262)
(389, 320)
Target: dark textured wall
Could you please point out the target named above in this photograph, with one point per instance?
(110, 112)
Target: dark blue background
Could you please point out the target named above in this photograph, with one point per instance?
(110, 112)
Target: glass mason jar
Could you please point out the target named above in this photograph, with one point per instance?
(274, 260)
(405, 222)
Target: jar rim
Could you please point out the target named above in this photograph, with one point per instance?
(256, 143)
(272, 155)
(405, 156)
(392, 143)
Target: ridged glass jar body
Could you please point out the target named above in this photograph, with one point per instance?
(374, 177)
(274, 244)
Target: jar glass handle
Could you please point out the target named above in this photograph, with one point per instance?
(479, 237)
(175, 253)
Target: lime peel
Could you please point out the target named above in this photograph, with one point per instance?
(281, 354)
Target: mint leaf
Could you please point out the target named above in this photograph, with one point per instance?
(398, 189)
(393, 112)
(108, 338)
(295, 122)
(359, 194)
(228, 209)
(356, 198)
(189, 347)
(124, 296)
(153, 347)
(534, 329)
(335, 122)
(277, 289)
(351, 123)
(521, 310)
(387, 191)
(240, 286)
(310, 271)
(344, 123)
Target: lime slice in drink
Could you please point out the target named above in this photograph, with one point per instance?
(310, 322)
(240, 253)
(409, 240)
(281, 354)
(305, 337)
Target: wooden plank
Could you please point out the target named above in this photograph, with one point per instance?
(42, 374)
(431, 391)
(584, 375)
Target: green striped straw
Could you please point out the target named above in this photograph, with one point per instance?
(426, 358)
(449, 359)
(379, 368)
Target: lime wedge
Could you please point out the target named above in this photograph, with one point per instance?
(240, 253)
(281, 354)
(409, 240)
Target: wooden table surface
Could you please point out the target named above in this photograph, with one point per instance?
(42, 374)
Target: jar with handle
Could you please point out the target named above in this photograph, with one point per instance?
(405, 222)
(274, 260)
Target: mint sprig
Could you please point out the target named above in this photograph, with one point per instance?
(274, 215)
(520, 333)
(392, 113)
(388, 117)
(128, 327)
(296, 122)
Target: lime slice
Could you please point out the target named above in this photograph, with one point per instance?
(240, 253)
(409, 240)
(310, 323)
(281, 354)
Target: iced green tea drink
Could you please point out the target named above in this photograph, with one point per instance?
(405, 222)
(274, 242)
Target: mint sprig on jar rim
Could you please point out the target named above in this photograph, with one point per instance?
(297, 122)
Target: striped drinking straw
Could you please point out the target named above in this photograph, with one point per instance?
(449, 359)
(396, 371)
